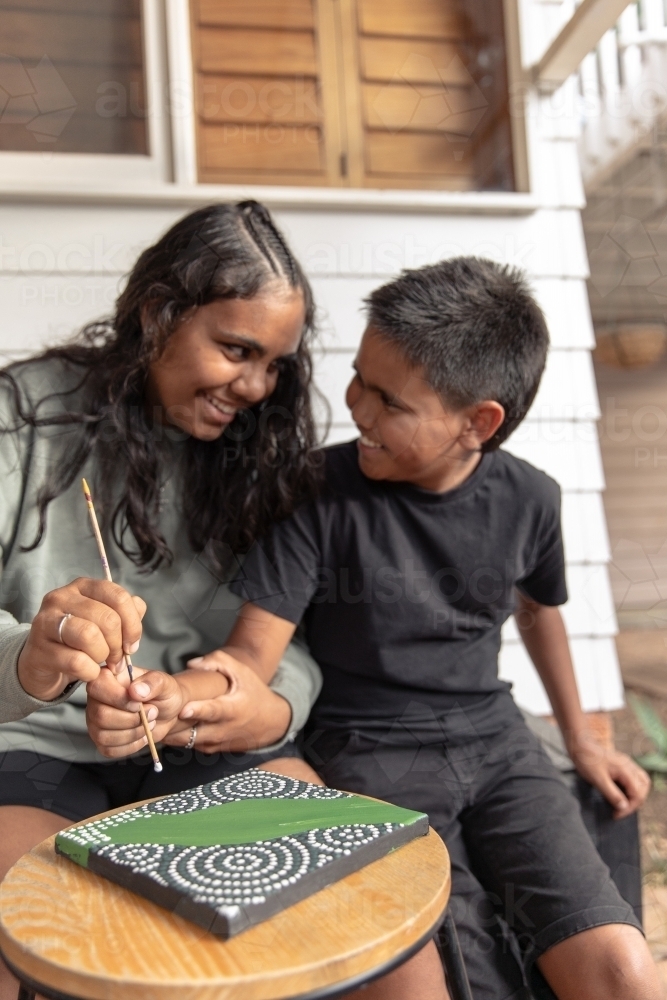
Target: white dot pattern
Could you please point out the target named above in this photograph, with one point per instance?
(240, 875)
(250, 784)
(243, 874)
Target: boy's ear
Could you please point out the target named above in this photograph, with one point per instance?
(484, 420)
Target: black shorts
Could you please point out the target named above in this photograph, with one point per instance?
(525, 872)
(77, 791)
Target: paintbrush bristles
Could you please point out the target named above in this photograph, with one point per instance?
(157, 766)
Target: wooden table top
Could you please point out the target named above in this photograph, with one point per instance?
(77, 934)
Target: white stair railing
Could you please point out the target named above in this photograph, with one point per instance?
(623, 89)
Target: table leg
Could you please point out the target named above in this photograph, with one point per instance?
(457, 977)
(25, 993)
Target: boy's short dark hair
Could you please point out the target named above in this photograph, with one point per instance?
(475, 328)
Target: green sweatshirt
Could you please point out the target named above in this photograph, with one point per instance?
(190, 609)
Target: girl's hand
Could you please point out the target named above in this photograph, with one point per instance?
(247, 717)
(112, 712)
(104, 622)
(623, 783)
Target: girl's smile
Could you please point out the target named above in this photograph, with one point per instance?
(225, 357)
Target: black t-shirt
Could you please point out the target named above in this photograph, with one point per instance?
(403, 591)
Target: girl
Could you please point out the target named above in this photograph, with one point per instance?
(189, 414)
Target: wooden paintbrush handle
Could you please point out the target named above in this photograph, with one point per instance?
(149, 736)
(157, 766)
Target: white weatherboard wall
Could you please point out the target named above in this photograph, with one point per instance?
(65, 246)
(62, 264)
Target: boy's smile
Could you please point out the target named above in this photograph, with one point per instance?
(407, 433)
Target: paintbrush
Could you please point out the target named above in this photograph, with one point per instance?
(157, 766)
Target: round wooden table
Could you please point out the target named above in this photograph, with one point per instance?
(69, 934)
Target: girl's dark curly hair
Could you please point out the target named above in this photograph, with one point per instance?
(233, 488)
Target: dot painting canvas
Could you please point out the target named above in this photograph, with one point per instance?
(236, 851)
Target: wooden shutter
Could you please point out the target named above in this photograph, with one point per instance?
(364, 93)
(432, 94)
(72, 76)
(258, 94)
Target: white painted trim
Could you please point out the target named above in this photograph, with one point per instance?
(658, 36)
(155, 62)
(181, 92)
(58, 191)
(37, 171)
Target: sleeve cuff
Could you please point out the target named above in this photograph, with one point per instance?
(15, 702)
(276, 604)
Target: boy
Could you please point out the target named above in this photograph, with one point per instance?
(423, 542)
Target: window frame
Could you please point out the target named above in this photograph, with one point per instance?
(169, 175)
(341, 103)
(105, 168)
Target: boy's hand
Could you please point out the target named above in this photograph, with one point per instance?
(248, 716)
(112, 712)
(623, 783)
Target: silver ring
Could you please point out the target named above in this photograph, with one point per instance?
(60, 628)
(193, 736)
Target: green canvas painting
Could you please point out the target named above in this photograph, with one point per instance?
(236, 851)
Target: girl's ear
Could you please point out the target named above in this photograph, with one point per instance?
(484, 420)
